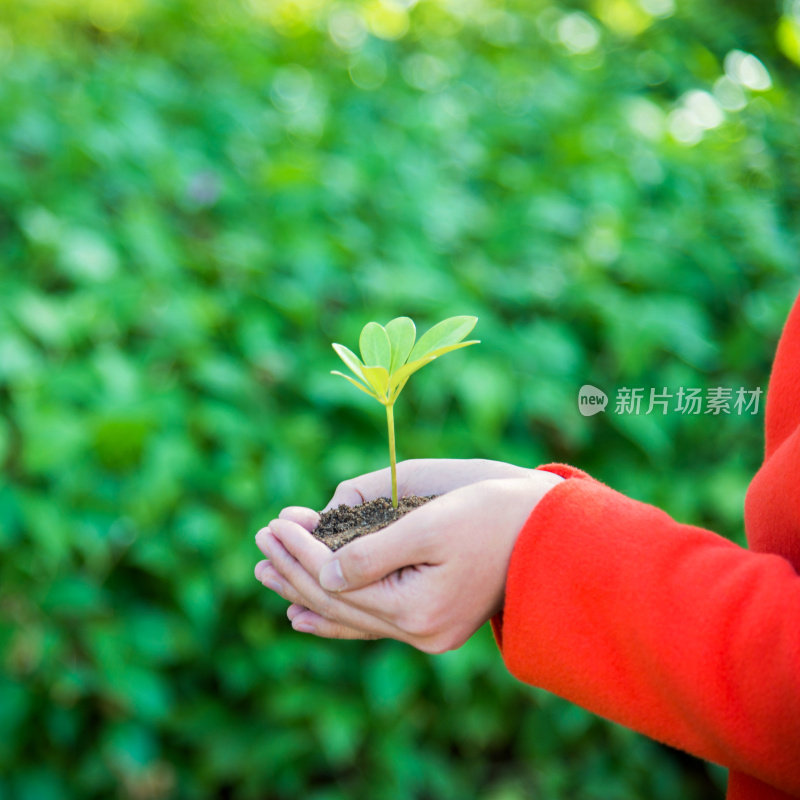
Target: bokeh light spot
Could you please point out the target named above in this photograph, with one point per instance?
(347, 29)
(425, 72)
(704, 108)
(291, 88)
(788, 37)
(684, 128)
(387, 20)
(646, 118)
(622, 16)
(578, 33)
(729, 94)
(746, 69)
(658, 8)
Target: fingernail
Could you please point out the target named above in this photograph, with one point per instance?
(274, 585)
(303, 627)
(292, 612)
(331, 577)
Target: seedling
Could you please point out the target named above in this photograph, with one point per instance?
(390, 356)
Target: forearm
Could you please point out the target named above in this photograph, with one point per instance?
(667, 628)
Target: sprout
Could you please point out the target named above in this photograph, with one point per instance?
(389, 357)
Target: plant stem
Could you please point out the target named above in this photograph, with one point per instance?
(392, 458)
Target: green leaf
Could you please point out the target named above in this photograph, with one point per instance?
(399, 378)
(376, 349)
(378, 379)
(444, 333)
(351, 359)
(402, 375)
(402, 334)
(440, 351)
(363, 388)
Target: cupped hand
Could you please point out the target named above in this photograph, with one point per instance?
(418, 476)
(422, 477)
(430, 579)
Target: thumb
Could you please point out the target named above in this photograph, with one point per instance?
(359, 490)
(376, 555)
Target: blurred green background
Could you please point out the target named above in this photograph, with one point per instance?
(197, 197)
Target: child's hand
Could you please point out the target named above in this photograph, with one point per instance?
(430, 579)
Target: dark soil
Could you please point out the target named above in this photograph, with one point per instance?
(341, 525)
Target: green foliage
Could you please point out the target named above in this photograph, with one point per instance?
(195, 197)
(389, 357)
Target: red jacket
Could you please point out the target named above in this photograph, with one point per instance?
(671, 629)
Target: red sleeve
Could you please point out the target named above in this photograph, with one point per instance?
(667, 628)
(783, 401)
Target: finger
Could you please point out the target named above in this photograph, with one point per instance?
(383, 598)
(424, 477)
(408, 542)
(302, 588)
(261, 537)
(271, 578)
(310, 621)
(305, 517)
(358, 490)
(346, 494)
(293, 610)
(307, 621)
(301, 544)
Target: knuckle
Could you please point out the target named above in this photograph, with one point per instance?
(343, 487)
(293, 596)
(347, 492)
